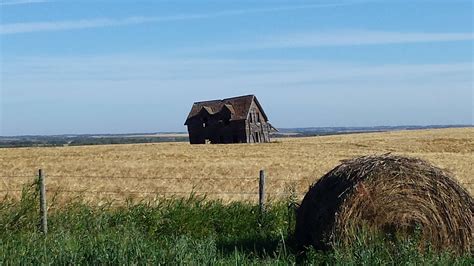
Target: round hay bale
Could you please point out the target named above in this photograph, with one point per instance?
(392, 194)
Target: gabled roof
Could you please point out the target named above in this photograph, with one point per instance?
(239, 107)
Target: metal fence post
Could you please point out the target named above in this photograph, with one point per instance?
(43, 207)
(261, 191)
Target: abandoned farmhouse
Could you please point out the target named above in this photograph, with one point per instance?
(232, 120)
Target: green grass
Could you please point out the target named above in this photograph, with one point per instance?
(180, 231)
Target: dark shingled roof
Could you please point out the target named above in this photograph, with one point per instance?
(239, 107)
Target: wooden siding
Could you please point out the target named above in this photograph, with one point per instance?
(210, 126)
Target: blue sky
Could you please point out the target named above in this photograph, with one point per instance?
(137, 66)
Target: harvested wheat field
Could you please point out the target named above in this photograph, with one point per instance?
(228, 172)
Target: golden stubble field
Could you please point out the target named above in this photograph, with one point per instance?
(229, 172)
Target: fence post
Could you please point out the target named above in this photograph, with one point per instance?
(261, 191)
(43, 207)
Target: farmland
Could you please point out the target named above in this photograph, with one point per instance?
(228, 172)
(97, 223)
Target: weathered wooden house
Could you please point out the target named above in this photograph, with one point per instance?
(233, 120)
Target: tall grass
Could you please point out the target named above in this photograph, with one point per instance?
(179, 231)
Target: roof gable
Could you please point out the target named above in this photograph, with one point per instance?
(239, 107)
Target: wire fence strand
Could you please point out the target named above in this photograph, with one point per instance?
(59, 191)
(17, 176)
(153, 177)
(163, 192)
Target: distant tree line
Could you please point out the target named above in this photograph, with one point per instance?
(80, 141)
(126, 140)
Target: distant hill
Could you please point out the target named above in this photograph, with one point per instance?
(319, 131)
(103, 139)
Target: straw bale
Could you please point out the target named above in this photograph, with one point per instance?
(391, 194)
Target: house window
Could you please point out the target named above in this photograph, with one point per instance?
(253, 117)
(204, 122)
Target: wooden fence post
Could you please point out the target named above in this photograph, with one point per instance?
(43, 207)
(261, 191)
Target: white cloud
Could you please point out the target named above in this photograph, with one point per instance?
(334, 38)
(14, 28)
(134, 93)
(154, 67)
(361, 37)
(20, 2)
(102, 75)
(71, 25)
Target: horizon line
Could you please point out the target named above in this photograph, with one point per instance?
(401, 127)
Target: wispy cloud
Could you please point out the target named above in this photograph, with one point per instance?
(132, 92)
(361, 37)
(21, 2)
(334, 38)
(14, 28)
(74, 24)
(144, 73)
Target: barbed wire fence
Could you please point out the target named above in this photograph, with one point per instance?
(155, 191)
(39, 179)
(288, 181)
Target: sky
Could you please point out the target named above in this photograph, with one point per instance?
(75, 67)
